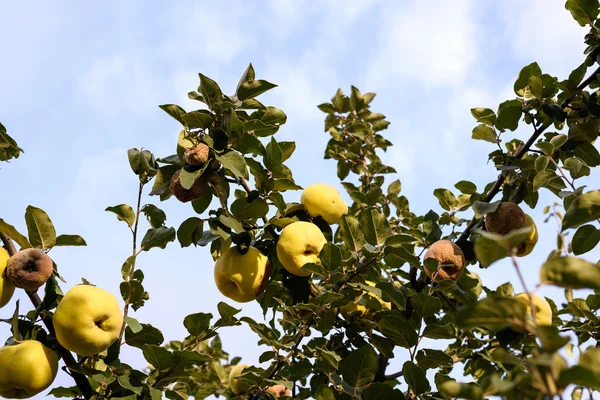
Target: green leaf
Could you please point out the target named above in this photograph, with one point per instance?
(12, 233)
(426, 305)
(403, 254)
(430, 359)
(226, 311)
(190, 231)
(40, 229)
(588, 153)
(484, 115)
(466, 187)
(330, 256)
(585, 239)
(249, 144)
(579, 375)
(546, 147)
(147, 335)
(535, 86)
(491, 247)
(132, 291)
(159, 357)
(493, 313)
(324, 393)
(381, 391)
(415, 378)
(200, 119)
(583, 209)
(550, 338)
(446, 199)
(351, 233)
(399, 330)
(360, 366)
(570, 272)
(70, 240)
(484, 132)
(395, 188)
(558, 140)
(584, 12)
(234, 162)
(375, 226)
(174, 111)
(133, 323)
(522, 82)
(210, 91)
(125, 382)
(197, 324)
(357, 102)
(72, 392)
(243, 209)
(124, 213)
(435, 331)
(158, 237)
(509, 114)
(253, 88)
(282, 185)
(156, 217)
(395, 296)
(577, 167)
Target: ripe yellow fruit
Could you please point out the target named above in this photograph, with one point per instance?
(543, 311)
(321, 200)
(532, 239)
(87, 320)
(7, 289)
(300, 243)
(451, 260)
(359, 310)
(242, 277)
(26, 369)
(238, 387)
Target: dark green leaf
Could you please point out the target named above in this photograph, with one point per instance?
(124, 213)
(585, 239)
(381, 391)
(399, 330)
(493, 313)
(158, 237)
(375, 226)
(430, 359)
(211, 92)
(253, 88)
(584, 12)
(243, 209)
(226, 311)
(509, 114)
(234, 162)
(330, 256)
(360, 366)
(70, 240)
(156, 217)
(12, 233)
(197, 324)
(426, 305)
(190, 231)
(446, 198)
(148, 335)
(174, 111)
(415, 378)
(352, 233)
(466, 187)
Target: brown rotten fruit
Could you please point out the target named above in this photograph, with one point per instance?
(197, 155)
(507, 217)
(451, 260)
(198, 189)
(29, 269)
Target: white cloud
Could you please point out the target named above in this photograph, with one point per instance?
(435, 46)
(543, 31)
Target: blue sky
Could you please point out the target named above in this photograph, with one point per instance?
(81, 83)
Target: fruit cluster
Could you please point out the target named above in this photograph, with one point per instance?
(87, 321)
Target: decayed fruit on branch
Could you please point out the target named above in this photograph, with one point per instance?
(242, 277)
(29, 269)
(87, 320)
(507, 218)
(300, 243)
(237, 386)
(451, 260)
(26, 369)
(543, 311)
(355, 309)
(198, 189)
(7, 289)
(279, 391)
(321, 200)
(527, 247)
(197, 155)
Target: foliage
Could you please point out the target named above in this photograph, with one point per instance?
(311, 348)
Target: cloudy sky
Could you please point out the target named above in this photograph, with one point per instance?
(81, 83)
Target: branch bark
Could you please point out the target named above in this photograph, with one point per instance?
(536, 134)
(80, 380)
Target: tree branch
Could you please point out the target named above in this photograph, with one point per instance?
(80, 380)
(536, 134)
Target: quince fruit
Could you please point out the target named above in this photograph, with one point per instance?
(359, 310)
(242, 277)
(7, 289)
(321, 200)
(300, 243)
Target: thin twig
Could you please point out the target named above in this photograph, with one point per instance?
(536, 134)
(134, 253)
(80, 380)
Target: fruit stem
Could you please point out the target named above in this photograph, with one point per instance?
(536, 134)
(80, 380)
